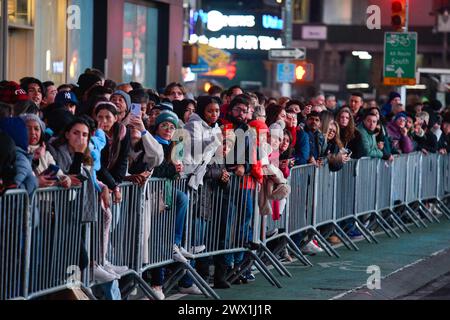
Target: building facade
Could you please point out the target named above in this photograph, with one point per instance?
(58, 39)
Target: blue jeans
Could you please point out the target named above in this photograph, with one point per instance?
(182, 203)
(111, 290)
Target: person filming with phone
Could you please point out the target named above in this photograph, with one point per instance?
(43, 164)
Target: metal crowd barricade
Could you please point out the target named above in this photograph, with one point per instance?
(383, 195)
(345, 192)
(157, 233)
(301, 207)
(443, 184)
(324, 199)
(226, 221)
(401, 177)
(14, 244)
(345, 204)
(56, 240)
(366, 194)
(428, 181)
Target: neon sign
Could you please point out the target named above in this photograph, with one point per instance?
(272, 22)
(239, 42)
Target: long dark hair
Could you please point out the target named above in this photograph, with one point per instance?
(348, 133)
(115, 145)
(273, 111)
(180, 107)
(203, 102)
(62, 140)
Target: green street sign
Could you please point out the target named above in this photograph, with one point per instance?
(400, 58)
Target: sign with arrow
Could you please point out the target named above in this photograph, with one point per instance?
(400, 58)
(287, 54)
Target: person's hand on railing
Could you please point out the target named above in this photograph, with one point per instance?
(179, 168)
(240, 170)
(320, 162)
(75, 181)
(425, 151)
(390, 159)
(225, 178)
(443, 151)
(117, 195)
(346, 158)
(65, 182)
(46, 182)
(138, 179)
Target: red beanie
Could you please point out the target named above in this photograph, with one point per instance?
(11, 92)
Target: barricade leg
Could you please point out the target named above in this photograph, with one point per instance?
(444, 209)
(297, 252)
(201, 284)
(413, 216)
(381, 221)
(265, 274)
(398, 221)
(174, 278)
(264, 270)
(139, 282)
(366, 233)
(282, 270)
(428, 212)
(325, 245)
(344, 238)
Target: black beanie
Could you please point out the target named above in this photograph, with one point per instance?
(86, 81)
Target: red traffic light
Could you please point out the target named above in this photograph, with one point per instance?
(398, 14)
(304, 72)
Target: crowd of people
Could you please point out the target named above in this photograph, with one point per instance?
(102, 134)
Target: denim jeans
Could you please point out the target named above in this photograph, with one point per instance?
(182, 203)
(111, 290)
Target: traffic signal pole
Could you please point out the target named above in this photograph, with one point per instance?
(286, 88)
(403, 88)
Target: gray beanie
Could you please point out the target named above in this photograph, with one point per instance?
(32, 117)
(126, 96)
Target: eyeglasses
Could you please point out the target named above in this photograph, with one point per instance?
(168, 127)
(239, 110)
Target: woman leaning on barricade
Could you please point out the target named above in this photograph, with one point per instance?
(171, 169)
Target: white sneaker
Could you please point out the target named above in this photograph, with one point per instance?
(195, 250)
(159, 293)
(103, 276)
(312, 248)
(271, 233)
(177, 255)
(191, 290)
(120, 270)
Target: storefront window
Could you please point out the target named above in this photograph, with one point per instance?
(337, 12)
(50, 40)
(19, 12)
(80, 41)
(140, 44)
